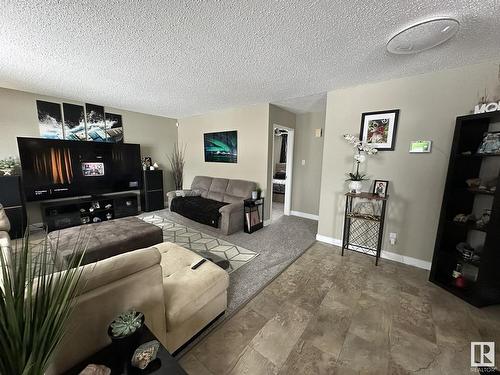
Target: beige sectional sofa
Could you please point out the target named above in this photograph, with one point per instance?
(230, 191)
(4, 238)
(178, 302)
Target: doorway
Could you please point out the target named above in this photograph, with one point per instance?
(283, 140)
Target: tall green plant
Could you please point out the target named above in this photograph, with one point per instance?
(176, 160)
(35, 304)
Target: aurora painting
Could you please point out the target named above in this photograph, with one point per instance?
(221, 147)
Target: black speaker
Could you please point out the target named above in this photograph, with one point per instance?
(152, 191)
(12, 200)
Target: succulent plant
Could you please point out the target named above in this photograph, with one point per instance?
(126, 323)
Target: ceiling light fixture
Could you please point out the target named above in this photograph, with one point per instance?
(423, 36)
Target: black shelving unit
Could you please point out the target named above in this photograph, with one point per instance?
(253, 214)
(362, 232)
(479, 283)
(73, 212)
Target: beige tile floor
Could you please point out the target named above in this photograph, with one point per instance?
(328, 314)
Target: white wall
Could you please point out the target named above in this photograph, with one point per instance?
(307, 178)
(429, 105)
(18, 118)
(252, 125)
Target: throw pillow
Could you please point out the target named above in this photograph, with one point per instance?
(187, 193)
(192, 193)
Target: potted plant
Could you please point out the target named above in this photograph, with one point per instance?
(8, 166)
(177, 162)
(126, 325)
(35, 305)
(125, 332)
(362, 149)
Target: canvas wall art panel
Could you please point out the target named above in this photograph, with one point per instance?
(74, 122)
(114, 128)
(96, 127)
(50, 120)
(221, 147)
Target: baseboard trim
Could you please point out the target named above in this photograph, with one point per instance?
(329, 240)
(305, 215)
(385, 254)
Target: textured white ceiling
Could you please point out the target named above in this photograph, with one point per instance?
(304, 104)
(177, 58)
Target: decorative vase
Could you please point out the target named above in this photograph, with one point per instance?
(355, 186)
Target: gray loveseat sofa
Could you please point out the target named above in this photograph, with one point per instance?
(230, 191)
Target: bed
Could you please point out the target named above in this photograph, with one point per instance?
(279, 181)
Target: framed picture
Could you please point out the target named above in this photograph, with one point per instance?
(221, 147)
(147, 162)
(380, 188)
(378, 129)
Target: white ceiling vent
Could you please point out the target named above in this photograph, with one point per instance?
(423, 36)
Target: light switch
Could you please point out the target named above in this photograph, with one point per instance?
(303, 162)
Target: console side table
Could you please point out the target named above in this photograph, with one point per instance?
(253, 214)
(363, 232)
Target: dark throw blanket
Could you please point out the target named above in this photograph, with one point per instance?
(202, 210)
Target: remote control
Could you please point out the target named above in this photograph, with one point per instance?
(198, 264)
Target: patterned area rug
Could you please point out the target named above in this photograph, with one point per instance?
(197, 241)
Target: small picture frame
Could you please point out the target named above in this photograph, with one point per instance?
(147, 162)
(378, 129)
(380, 188)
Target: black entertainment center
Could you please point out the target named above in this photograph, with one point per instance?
(92, 173)
(73, 212)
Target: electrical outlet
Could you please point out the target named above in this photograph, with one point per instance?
(303, 162)
(392, 238)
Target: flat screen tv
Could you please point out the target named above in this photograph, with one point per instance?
(59, 169)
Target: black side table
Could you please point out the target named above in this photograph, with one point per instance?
(253, 214)
(163, 364)
(364, 232)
